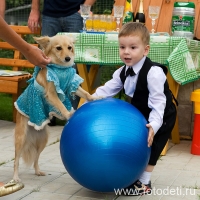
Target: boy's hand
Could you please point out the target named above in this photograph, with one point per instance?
(151, 135)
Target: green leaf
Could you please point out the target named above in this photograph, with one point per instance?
(107, 12)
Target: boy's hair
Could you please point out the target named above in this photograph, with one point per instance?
(133, 29)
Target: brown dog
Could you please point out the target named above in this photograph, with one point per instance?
(31, 138)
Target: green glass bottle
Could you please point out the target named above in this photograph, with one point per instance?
(140, 17)
(128, 12)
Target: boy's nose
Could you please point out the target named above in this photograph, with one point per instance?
(126, 50)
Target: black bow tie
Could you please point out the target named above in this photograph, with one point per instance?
(130, 72)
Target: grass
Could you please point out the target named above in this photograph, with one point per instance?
(6, 107)
(58, 140)
(106, 73)
(2, 163)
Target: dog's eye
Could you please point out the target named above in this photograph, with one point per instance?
(59, 48)
(69, 48)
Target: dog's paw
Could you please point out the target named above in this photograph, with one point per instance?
(97, 98)
(72, 112)
(39, 173)
(102, 97)
(69, 116)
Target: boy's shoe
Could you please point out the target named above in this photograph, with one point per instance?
(149, 188)
(137, 189)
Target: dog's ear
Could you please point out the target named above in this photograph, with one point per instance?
(70, 38)
(43, 41)
(72, 42)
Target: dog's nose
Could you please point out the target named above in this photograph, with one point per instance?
(67, 59)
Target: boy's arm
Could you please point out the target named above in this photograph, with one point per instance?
(111, 87)
(34, 17)
(157, 99)
(2, 7)
(32, 53)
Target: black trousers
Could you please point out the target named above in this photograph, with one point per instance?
(163, 134)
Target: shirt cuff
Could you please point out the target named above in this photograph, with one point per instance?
(155, 125)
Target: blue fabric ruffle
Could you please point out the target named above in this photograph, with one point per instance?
(32, 102)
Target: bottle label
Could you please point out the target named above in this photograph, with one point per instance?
(128, 17)
(183, 23)
(128, 12)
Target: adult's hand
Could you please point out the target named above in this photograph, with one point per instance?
(36, 56)
(34, 20)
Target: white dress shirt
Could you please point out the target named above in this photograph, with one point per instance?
(155, 80)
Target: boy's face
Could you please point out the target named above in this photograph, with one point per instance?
(132, 49)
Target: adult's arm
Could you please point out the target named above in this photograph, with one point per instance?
(32, 53)
(2, 8)
(89, 2)
(34, 17)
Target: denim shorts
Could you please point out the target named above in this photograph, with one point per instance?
(51, 25)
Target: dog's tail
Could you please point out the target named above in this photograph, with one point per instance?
(34, 144)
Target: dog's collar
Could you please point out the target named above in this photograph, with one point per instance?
(59, 66)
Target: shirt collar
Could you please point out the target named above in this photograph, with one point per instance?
(137, 67)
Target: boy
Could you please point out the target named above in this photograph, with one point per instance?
(145, 86)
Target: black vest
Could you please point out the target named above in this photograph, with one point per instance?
(141, 94)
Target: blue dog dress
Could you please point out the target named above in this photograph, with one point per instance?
(32, 102)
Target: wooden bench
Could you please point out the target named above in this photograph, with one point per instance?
(15, 84)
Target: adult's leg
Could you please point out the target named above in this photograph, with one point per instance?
(50, 27)
(73, 23)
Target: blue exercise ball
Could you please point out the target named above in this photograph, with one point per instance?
(104, 145)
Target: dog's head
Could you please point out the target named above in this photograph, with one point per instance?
(60, 48)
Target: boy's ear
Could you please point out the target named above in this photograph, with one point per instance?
(147, 48)
(43, 41)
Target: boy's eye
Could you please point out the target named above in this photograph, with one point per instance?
(132, 47)
(69, 48)
(121, 47)
(59, 48)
